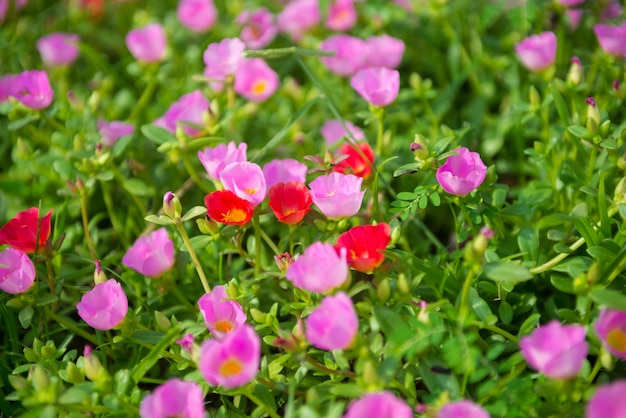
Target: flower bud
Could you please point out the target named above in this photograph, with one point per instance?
(283, 261)
(383, 292)
(98, 275)
(91, 364)
(593, 116)
(419, 147)
(404, 286)
(73, 374)
(163, 323)
(171, 206)
(535, 99)
(207, 226)
(18, 382)
(575, 73)
(619, 195)
(40, 378)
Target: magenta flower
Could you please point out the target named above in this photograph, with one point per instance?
(611, 328)
(380, 405)
(259, 29)
(377, 85)
(608, 401)
(7, 86)
(333, 131)
(255, 80)
(341, 15)
(299, 16)
(462, 409)
(4, 7)
(384, 51)
(215, 159)
(174, 398)
(537, 52)
(58, 48)
(319, 269)
(233, 361)
(461, 173)
(110, 132)
(246, 180)
(189, 108)
(221, 314)
(337, 195)
(571, 3)
(103, 307)
(151, 255)
(613, 10)
(612, 39)
(282, 171)
(147, 44)
(556, 350)
(574, 17)
(350, 54)
(186, 343)
(334, 324)
(197, 15)
(32, 89)
(221, 59)
(17, 271)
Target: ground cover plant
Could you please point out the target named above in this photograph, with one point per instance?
(312, 208)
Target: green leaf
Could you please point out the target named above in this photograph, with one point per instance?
(137, 187)
(25, 316)
(194, 212)
(528, 242)
(505, 271)
(75, 395)
(561, 108)
(47, 299)
(435, 199)
(529, 325)
(406, 169)
(198, 243)
(393, 325)
(157, 134)
(408, 196)
(608, 298)
(159, 220)
(20, 123)
(577, 130)
(154, 355)
(506, 312)
(204, 141)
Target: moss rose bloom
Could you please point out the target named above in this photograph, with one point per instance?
(21, 231)
(365, 246)
(226, 207)
(461, 173)
(290, 201)
(611, 328)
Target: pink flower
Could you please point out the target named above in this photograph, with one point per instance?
(462, 409)
(556, 350)
(350, 54)
(333, 131)
(189, 108)
(110, 132)
(246, 180)
(17, 271)
(147, 44)
(611, 328)
(233, 361)
(103, 307)
(255, 80)
(574, 16)
(186, 343)
(221, 314)
(197, 15)
(151, 255)
(612, 39)
(537, 52)
(384, 51)
(32, 89)
(377, 85)
(259, 29)
(337, 195)
(174, 398)
(299, 16)
(341, 15)
(282, 171)
(7, 86)
(58, 48)
(319, 269)
(571, 3)
(608, 401)
(334, 324)
(215, 159)
(380, 405)
(613, 10)
(221, 59)
(461, 173)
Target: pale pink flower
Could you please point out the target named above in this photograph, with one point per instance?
(350, 54)
(215, 159)
(461, 173)
(384, 51)
(608, 401)
(298, 17)
(147, 44)
(174, 398)
(319, 269)
(255, 80)
(232, 362)
(190, 108)
(221, 314)
(405, 4)
(377, 85)
(337, 195)
(259, 29)
(334, 324)
(612, 39)
(221, 59)
(282, 171)
(110, 132)
(341, 15)
(537, 52)
(462, 409)
(333, 131)
(574, 17)
(151, 255)
(32, 89)
(17, 271)
(380, 405)
(197, 15)
(246, 180)
(611, 328)
(58, 48)
(105, 306)
(571, 3)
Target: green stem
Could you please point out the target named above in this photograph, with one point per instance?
(121, 179)
(380, 132)
(497, 330)
(115, 221)
(325, 369)
(270, 243)
(594, 371)
(194, 256)
(50, 272)
(467, 285)
(54, 123)
(248, 394)
(279, 52)
(257, 241)
(145, 97)
(83, 210)
(193, 174)
(68, 324)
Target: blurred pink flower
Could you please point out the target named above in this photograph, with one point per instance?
(537, 52)
(405, 4)
(462, 409)
(17, 271)
(377, 85)
(574, 17)
(233, 361)
(58, 48)
(32, 89)
(608, 401)
(333, 131)
(246, 180)
(147, 44)
(221, 59)
(334, 324)
(384, 51)
(255, 80)
(299, 16)
(570, 3)
(221, 314)
(380, 405)
(319, 269)
(350, 54)
(341, 15)
(151, 255)
(337, 195)
(612, 39)
(613, 10)
(259, 29)
(282, 171)
(174, 398)
(4, 7)
(7, 86)
(189, 108)
(110, 132)
(197, 15)
(215, 159)
(611, 328)
(556, 350)
(461, 173)
(103, 307)
(186, 343)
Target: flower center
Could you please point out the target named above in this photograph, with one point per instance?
(250, 190)
(224, 325)
(259, 86)
(331, 193)
(616, 338)
(231, 367)
(233, 215)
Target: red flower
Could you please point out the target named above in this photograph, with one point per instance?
(365, 245)
(355, 164)
(290, 201)
(226, 207)
(21, 231)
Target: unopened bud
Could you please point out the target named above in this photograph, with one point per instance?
(419, 147)
(73, 374)
(91, 364)
(383, 292)
(575, 73)
(404, 286)
(171, 206)
(619, 196)
(283, 261)
(207, 226)
(535, 99)
(620, 92)
(593, 116)
(98, 275)
(163, 323)
(40, 378)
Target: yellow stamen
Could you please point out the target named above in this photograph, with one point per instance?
(259, 86)
(251, 190)
(233, 215)
(224, 325)
(231, 367)
(616, 338)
